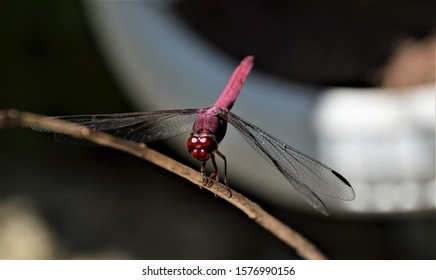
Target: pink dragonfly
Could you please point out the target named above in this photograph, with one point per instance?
(305, 174)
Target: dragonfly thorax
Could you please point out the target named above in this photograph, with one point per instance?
(201, 146)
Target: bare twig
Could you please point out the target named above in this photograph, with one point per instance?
(289, 236)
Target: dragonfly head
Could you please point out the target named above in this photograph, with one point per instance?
(201, 146)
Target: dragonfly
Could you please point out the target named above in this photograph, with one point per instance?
(208, 127)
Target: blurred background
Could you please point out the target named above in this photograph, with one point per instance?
(348, 82)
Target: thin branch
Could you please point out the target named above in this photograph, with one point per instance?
(289, 236)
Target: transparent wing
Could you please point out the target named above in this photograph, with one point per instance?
(139, 127)
(304, 173)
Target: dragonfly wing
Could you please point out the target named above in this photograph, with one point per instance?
(140, 127)
(304, 173)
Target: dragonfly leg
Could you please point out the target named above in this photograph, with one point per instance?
(225, 171)
(208, 180)
(214, 175)
(225, 166)
(203, 172)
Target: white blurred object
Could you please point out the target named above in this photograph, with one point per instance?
(380, 140)
(383, 139)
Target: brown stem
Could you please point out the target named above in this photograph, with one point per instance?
(289, 236)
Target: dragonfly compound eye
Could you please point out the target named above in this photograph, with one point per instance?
(201, 147)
